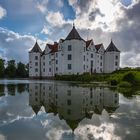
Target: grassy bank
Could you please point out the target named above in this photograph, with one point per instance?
(121, 78)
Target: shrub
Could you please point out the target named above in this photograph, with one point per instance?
(113, 82)
(129, 77)
(125, 84)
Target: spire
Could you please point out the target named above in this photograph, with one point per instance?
(36, 48)
(112, 47)
(73, 34)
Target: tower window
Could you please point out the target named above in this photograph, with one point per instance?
(36, 70)
(116, 63)
(36, 57)
(69, 48)
(36, 63)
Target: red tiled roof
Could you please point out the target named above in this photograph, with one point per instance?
(53, 48)
(98, 46)
(88, 42)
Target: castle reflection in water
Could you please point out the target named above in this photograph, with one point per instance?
(72, 103)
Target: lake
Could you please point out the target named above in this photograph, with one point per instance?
(49, 110)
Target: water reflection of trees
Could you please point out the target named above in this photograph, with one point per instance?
(12, 89)
(72, 103)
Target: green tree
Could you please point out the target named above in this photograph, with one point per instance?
(21, 70)
(2, 68)
(11, 69)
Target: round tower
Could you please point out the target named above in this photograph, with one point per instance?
(35, 61)
(112, 58)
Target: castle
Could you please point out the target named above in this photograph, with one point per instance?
(73, 55)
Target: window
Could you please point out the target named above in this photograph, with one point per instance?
(36, 63)
(36, 70)
(56, 61)
(87, 60)
(69, 57)
(69, 48)
(68, 102)
(69, 111)
(84, 58)
(43, 70)
(69, 66)
(116, 63)
(56, 68)
(116, 57)
(84, 67)
(49, 69)
(101, 57)
(101, 64)
(91, 55)
(49, 62)
(43, 63)
(84, 49)
(56, 54)
(36, 57)
(44, 57)
(91, 63)
(69, 92)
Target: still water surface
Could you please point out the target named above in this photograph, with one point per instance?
(40, 110)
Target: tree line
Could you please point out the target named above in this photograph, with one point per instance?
(11, 69)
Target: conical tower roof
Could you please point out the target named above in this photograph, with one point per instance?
(112, 47)
(36, 48)
(73, 34)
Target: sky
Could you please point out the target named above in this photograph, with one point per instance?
(22, 22)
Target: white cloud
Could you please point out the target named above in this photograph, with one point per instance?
(42, 6)
(55, 19)
(2, 12)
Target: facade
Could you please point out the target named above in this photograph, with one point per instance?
(73, 55)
